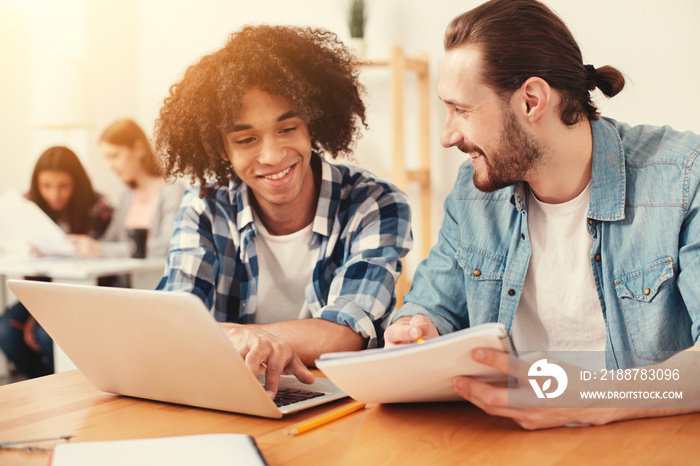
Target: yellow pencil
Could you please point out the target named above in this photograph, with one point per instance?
(326, 419)
(419, 340)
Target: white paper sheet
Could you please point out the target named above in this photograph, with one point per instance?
(209, 449)
(418, 372)
(23, 225)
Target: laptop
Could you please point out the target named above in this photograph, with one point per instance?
(159, 345)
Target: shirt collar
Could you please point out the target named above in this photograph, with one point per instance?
(518, 195)
(328, 197)
(244, 216)
(608, 178)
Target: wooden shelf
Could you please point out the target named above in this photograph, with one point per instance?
(399, 64)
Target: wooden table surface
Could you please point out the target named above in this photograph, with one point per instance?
(425, 434)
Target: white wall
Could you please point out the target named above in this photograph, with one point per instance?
(16, 134)
(135, 49)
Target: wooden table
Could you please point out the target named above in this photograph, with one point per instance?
(422, 434)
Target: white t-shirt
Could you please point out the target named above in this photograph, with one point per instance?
(559, 308)
(285, 266)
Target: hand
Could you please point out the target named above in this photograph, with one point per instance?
(86, 246)
(407, 330)
(257, 346)
(494, 400)
(30, 335)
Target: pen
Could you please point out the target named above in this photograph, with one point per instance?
(326, 419)
(35, 440)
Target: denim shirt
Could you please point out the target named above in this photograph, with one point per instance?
(643, 218)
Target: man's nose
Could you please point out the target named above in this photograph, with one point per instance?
(450, 135)
(271, 151)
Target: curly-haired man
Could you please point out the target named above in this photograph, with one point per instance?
(296, 256)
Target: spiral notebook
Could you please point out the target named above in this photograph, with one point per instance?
(417, 372)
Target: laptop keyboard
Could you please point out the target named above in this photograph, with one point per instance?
(287, 396)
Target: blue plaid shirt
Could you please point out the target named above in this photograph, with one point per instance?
(361, 230)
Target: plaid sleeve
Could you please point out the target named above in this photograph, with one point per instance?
(192, 264)
(377, 235)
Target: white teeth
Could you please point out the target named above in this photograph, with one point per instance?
(279, 175)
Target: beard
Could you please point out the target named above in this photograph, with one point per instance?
(516, 155)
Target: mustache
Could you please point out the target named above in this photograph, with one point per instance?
(470, 149)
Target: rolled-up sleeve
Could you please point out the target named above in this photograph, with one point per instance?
(362, 290)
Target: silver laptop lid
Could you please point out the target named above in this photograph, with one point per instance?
(156, 345)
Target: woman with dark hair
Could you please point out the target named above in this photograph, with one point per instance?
(62, 189)
(148, 203)
(295, 255)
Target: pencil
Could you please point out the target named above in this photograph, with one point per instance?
(419, 340)
(326, 419)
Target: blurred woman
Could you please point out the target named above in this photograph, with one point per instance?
(61, 187)
(148, 203)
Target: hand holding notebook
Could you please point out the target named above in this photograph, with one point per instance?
(416, 372)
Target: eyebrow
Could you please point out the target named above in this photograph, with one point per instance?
(284, 116)
(456, 104)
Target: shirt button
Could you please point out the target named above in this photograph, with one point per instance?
(477, 272)
(647, 291)
(597, 257)
(511, 292)
(590, 221)
(522, 235)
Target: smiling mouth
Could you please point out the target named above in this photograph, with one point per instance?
(471, 151)
(278, 175)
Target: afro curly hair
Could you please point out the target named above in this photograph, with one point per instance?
(309, 67)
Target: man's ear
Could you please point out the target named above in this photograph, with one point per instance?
(534, 98)
(223, 154)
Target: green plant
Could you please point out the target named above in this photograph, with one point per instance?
(357, 18)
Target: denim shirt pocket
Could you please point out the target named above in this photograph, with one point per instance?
(483, 277)
(650, 303)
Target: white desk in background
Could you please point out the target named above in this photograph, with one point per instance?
(145, 274)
